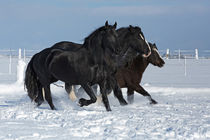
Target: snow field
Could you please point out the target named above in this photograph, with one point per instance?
(182, 112)
(180, 115)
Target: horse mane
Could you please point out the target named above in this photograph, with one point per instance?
(92, 35)
(122, 32)
(125, 30)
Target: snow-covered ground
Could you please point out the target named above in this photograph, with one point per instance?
(182, 112)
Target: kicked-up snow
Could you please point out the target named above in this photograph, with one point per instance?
(182, 112)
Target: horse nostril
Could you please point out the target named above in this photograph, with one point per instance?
(163, 62)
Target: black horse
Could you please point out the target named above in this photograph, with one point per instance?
(84, 66)
(133, 43)
(130, 76)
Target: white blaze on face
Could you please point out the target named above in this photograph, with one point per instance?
(157, 52)
(144, 55)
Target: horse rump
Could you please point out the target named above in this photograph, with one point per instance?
(52, 53)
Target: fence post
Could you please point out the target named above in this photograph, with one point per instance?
(196, 54)
(19, 54)
(24, 54)
(167, 53)
(185, 66)
(179, 54)
(10, 63)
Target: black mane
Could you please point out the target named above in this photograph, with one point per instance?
(92, 35)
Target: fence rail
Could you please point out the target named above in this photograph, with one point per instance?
(9, 60)
(169, 54)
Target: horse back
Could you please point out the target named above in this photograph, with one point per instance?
(68, 46)
(73, 67)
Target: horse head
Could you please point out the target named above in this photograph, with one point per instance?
(137, 41)
(155, 57)
(110, 38)
(104, 37)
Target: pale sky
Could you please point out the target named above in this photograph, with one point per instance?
(38, 24)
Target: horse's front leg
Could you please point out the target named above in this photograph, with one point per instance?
(68, 87)
(103, 89)
(130, 96)
(143, 92)
(91, 94)
(117, 91)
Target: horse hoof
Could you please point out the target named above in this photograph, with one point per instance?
(108, 110)
(38, 102)
(153, 102)
(82, 102)
(123, 103)
(54, 108)
(130, 101)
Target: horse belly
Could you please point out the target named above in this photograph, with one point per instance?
(71, 74)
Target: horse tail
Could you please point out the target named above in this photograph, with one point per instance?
(51, 55)
(31, 81)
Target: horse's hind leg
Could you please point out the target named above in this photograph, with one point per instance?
(71, 91)
(130, 96)
(68, 87)
(48, 97)
(143, 92)
(91, 94)
(39, 100)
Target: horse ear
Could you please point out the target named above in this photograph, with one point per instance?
(130, 28)
(106, 23)
(115, 25)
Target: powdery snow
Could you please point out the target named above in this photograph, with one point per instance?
(181, 113)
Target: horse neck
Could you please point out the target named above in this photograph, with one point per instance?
(128, 56)
(139, 64)
(96, 51)
(122, 37)
(110, 59)
(128, 53)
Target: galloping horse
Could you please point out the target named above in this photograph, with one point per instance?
(130, 76)
(84, 66)
(133, 43)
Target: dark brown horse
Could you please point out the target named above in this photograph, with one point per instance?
(130, 76)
